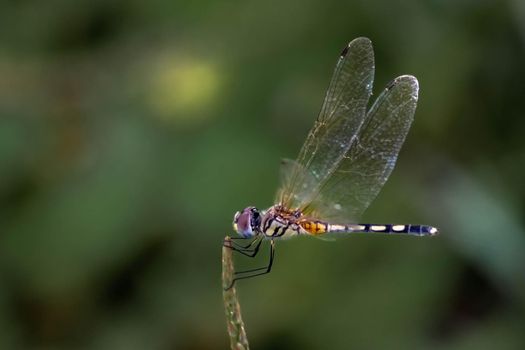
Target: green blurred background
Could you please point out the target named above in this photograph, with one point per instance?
(131, 131)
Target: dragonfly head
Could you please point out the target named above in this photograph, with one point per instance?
(246, 222)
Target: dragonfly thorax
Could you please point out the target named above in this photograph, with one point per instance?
(247, 222)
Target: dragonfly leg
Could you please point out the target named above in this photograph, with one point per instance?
(231, 241)
(246, 250)
(258, 271)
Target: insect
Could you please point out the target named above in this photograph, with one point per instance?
(346, 159)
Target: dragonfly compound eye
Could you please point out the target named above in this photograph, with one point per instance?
(243, 222)
(255, 221)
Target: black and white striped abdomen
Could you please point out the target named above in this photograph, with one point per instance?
(415, 230)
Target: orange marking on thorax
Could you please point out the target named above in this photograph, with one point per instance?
(313, 227)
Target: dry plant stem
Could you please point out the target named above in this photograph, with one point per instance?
(238, 339)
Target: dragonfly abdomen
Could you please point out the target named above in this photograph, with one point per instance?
(415, 230)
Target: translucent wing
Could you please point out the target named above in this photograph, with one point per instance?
(340, 119)
(364, 169)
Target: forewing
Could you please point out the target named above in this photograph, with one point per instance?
(341, 116)
(369, 161)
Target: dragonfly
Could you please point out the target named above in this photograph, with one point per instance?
(346, 159)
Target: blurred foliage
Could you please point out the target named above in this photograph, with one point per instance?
(131, 131)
